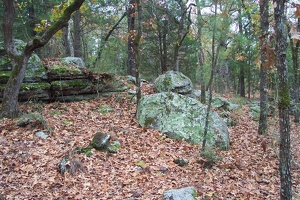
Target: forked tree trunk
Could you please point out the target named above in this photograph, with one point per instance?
(19, 62)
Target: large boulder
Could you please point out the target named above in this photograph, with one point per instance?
(173, 81)
(181, 117)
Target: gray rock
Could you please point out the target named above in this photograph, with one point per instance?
(173, 81)
(100, 141)
(73, 61)
(41, 134)
(35, 70)
(222, 103)
(181, 117)
(188, 193)
(63, 164)
(181, 161)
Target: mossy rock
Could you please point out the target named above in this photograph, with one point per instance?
(100, 141)
(64, 72)
(72, 87)
(34, 91)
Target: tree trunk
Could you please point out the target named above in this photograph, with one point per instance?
(19, 62)
(242, 80)
(65, 42)
(102, 44)
(296, 81)
(213, 65)
(284, 100)
(77, 34)
(185, 14)
(32, 17)
(200, 53)
(264, 26)
(136, 51)
(131, 36)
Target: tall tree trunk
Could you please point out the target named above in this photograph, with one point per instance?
(65, 42)
(136, 50)
(19, 62)
(131, 36)
(77, 34)
(296, 81)
(242, 80)
(284, 100)
(264, 26)
(164, 46)
(200, 53)
(32, 18)
(242, 62)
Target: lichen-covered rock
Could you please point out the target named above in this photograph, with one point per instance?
(188, 193)
(181, 117)
(35, 70)
(100, 141)
(222, 103)
(114, 147)
(73, 61)
(173, 81)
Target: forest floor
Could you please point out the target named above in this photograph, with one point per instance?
(29, 164)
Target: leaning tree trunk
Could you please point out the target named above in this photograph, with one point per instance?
(19, 62)
(283, 101)
(264, 26)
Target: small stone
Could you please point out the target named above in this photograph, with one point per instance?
(41, 134)
(181, 161)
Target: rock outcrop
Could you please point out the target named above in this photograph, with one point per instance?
(59, 79)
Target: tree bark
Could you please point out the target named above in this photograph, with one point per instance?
(284, 100)
(200, 52)
(77, 34)
(296, 81)
(264, 26)
(32, 17)
(131, 36)
(19, 62)
(65, 42)
(136, 51)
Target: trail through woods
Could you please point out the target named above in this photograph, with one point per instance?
(29, 164)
